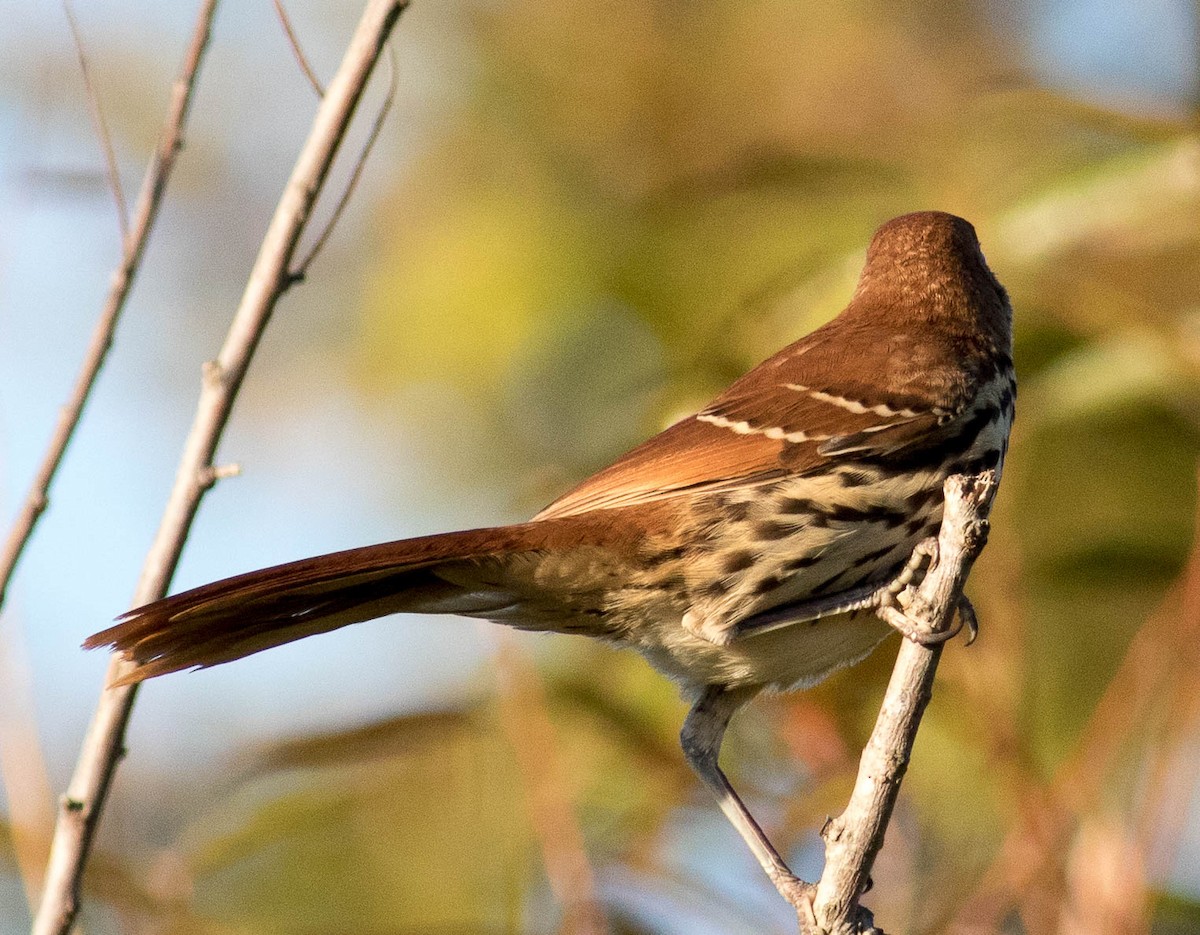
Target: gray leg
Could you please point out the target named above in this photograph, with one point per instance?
(701, 739)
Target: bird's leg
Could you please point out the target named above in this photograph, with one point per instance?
(701, 737)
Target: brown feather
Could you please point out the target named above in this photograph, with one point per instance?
(479, 572)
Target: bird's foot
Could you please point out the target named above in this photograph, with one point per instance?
(901, 608)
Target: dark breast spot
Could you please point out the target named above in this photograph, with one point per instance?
(841, 513)
(767, 584)
(770, 530)
(851, 478)
(665, 555)
(804, 561)
(914, 501)
(738, 561)
(871, 557)
(827, 584)
(735, 511)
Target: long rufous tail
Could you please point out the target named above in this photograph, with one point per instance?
(476, 572)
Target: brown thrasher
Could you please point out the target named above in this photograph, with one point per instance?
(740, 549)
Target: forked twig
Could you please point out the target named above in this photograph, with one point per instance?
(103, 746)
(134, 239)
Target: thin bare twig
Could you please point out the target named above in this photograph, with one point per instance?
(360, 163)
(101, 125)
(81, 808)
(853, 839)
(297, 49)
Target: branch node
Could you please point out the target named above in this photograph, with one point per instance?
(213, 374)
(208, 475)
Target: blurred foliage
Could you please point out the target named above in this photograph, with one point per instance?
(634, 202)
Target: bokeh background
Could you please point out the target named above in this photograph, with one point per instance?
(581, 222)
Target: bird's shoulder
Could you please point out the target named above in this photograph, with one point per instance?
(838, 393)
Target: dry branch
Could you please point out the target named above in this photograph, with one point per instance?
(81, 808)
(854, 838)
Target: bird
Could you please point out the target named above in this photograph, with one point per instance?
(739, 550)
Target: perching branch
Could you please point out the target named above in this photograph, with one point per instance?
(854, 838)
(80, 810)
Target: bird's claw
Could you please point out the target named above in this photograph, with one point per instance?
(896, 602)
(923, 558)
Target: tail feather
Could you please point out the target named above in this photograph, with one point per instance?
(460, 572)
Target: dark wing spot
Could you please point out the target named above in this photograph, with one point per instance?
(931, 457)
